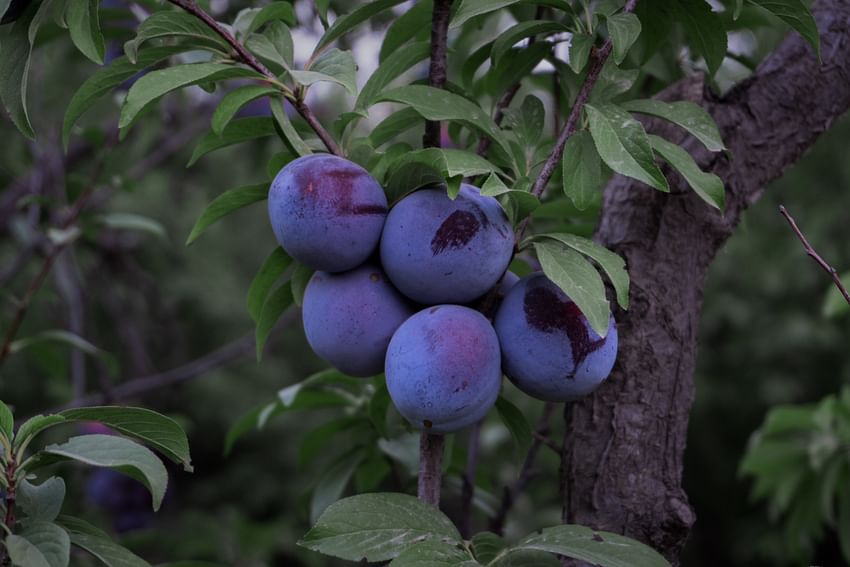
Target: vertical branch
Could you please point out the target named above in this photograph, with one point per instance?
(430, 467)
(437, 71)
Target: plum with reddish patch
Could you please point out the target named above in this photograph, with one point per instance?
(350, 317)
(327, 212)
(549, 350)
(436, 250)
(442, 368)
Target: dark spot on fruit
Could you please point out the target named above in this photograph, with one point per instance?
(428, 424)
(343, 174)
(547, 313)
(597, 537)
(375, 277)
(433, 310)
(455, 232)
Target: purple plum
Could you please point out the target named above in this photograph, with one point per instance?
(436, 250)
(327, 212)
(350, 317)
(549, 350)
(442, 368)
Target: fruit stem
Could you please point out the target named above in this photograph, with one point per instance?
(430, 467)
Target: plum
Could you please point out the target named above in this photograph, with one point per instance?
(350, 317)
(442, 368)
(436, 250)
(549, 350)
(327, 212)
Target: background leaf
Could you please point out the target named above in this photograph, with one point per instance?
(225, 204)
(83, 21)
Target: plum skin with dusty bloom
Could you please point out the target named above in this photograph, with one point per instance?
(442, 368)
(327, 212)
(549, 350)
(350, 317)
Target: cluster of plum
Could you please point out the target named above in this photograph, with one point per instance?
(393, 289)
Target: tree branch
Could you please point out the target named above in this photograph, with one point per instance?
(437, 71)
(248, 58)
(833, 273)
(430, 467)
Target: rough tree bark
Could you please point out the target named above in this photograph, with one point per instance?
(625, 445)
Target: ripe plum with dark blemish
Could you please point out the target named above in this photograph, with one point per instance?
(439, 250)
(327, 212)
(350, 317)
(442, 368)
(549, 350)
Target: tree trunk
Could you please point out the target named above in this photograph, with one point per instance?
(625, 444)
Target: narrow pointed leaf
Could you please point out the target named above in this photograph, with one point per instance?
(236, 99)
(271, 270)
(349, 21)
(287, 131)
(688, 115)
(707, 185)
(83, 19)
(333, 66)
(582, 170)
(796, 14)
(704, 29)
(599, 548)
(237, 131)
(389, 69)
(521, 31)
(225, 204)
(274, 306)
(173, 24)
(7, 421)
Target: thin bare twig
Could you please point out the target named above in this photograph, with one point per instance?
(430, 467)
(497, 522)
(833, 273)
(437, 71)
(248, 58)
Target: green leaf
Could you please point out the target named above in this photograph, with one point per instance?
(414, 22)
(33, 426)
(434, 554)
(236, 99)
(571, 272)
(834, 303)
(274, 306)
(796, 14)
(527, 558)
(624, 29)
(522, 202)
(623, 145)
(582, 170)
(107, 78)
(70, 339)
(472, 8)
(739, 5)
(225, 204)
(610, 262)
(707, 185)
(520, 31)
(599, 548)
(332, 483)
(4, 5)
(613, 81)
(439, 104)
(41, 502)
(14, 71)
(410, 177)
(236, 132)
(486, 546)
(132, 222)
(287, 132)
(334, 66)
(171, 23)
(76, 525)
(527, 121)
(347, 22)
(517, 425)
(274, 11)
(271, 270)
(580, 46)
(83, 21)
(377, 527)
(160, 82)
(389, 69)
(107, 551)
(393, 125)
(274, 45)
(41, 544)
(688, 115)
(300, 278)
(117, 453)
(450, 162)
(157, 430)
(704, 30)
(7, 421)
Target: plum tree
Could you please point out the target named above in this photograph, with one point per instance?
(442, 368)
(350, 317)
(327, 212)
(549, 350)
(439, 250)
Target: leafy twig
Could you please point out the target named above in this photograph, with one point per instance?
(248, 58)
(833, 273)
(437, 71)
